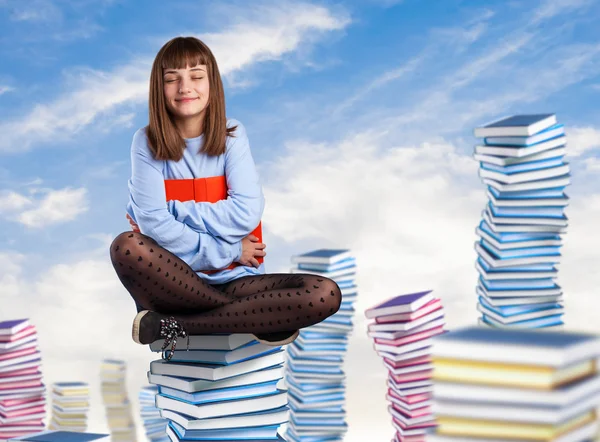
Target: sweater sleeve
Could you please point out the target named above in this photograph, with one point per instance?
(147, 201)
(233, 218)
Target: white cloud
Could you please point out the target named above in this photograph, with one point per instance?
(36, 11)
(5, 89)
(551, 8)
(592, 164)
(96, 96)
(582, 139)
(56, 206)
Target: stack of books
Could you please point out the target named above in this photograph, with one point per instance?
(154, 424)
(221, 387)
(70, 405)
(494, 384)
(22, 391)
(116, 400)
(522, 163)
(403, 330)
(314, 374)
(63, 436)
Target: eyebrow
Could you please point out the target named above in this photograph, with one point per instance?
(171, 71)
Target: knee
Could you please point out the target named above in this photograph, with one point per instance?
(123, 241)
(332, 294)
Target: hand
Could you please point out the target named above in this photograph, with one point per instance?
(251, 248)
(134, 226)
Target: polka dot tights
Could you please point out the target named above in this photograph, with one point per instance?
(159, 281)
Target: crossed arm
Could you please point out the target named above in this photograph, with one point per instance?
(205, 235)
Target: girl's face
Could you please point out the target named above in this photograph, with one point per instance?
(186, 91)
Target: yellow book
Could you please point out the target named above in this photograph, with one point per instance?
(510, 375)
(452, 426)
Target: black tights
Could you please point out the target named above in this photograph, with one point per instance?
(161, 282)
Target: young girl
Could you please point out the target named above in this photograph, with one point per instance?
(193, 267)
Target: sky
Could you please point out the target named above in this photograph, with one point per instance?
(360, 117)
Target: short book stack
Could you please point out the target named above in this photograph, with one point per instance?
(314, 369)
(70, 406)
(403, 329)
(221, 388)
(522, 163)
(22, 391)
(504, 385)
(154, 424)
(113, 376)
(63, 436)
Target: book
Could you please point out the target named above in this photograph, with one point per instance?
(542, 184)
(322, 256)
(275, 416)
(400, 304)
(8, 328)
(551, 349)
(516, 125)
(63, 436)
(500, 160)
(555, 131)
(224, 357)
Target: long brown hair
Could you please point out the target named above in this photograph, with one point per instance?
(166, 143)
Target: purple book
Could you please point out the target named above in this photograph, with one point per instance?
(400, 304)
(14, 326)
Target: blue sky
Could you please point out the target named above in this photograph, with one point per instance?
(360, 118)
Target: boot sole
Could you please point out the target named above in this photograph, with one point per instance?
(135, 331)
(282, 342)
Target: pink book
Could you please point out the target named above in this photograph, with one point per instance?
(8, 328)
(414, 427)
(407, 411)
(27, 377)
(408, 362)
(6, 403)
(431, 306)
(418, 438)
(412, 399)
(400, 304)
(411, 338)
(33, 422)
(411, 414)
(22, 384)
(15, 354)
(23, 412)
(411, 377)
(20, 372)
(19, 335)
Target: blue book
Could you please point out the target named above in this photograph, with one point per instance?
(532, 211)
(511, 310)
(550, 348)
(244, 433)
(223, 357)
(62, 436)
(554, 192)
(520, 253)
(322, 256)
(527, 142)
(223, 394)
(516, 237)
(13, 326)
(516, 125)
(348, 263)
(530, 324)
(524, 167)
(519, 284)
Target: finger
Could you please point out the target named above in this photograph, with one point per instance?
(260, 246)
(254, 262)
(259, 253)
(253, 238)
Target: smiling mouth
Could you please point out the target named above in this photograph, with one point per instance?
(185, 100)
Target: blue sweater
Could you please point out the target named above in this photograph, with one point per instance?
(207, 236)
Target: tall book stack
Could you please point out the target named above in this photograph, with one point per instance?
(63, 436)
(116, 400)
(504, 385)
(154, 424)
(522, 164)
(314, 374)
(403, 328)
(22, 391)
(224, 387)
(70, 405)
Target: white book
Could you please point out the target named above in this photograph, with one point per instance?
(394, 357)
(521, 252)
(498, 160)
(512, 152)
(528, 202)
(211, 342)
(190, 385)
(495, 275)
(525, 221)
(276, 416)
(245, 352)
(515, 413)
(556, 349)
(405, 326)
(410, 421)
(401, 390)
(406, 405)
(213, 373)
(559, 397)
(553, 291)
(322, 256)
(522, 300)
(525, 177)
(402, 349)
(409, 369)
(298, 405)
(439, 322)
(498, 225)
(340, 273)
(550, 183)
(226, 408)
(536, 324)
